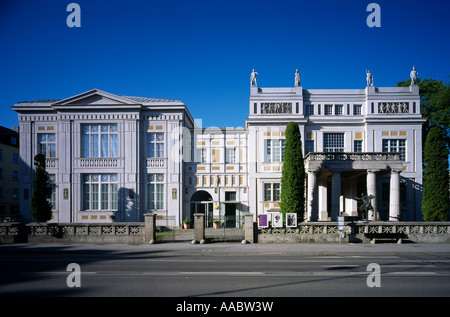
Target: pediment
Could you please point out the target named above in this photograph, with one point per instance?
(95, 98)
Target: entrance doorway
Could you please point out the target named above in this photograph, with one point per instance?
(202, 203)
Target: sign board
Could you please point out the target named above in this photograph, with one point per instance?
(291, 220)
(263, 221)
(340, 225)
(277, 220)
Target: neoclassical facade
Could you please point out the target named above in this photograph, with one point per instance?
(114, 157)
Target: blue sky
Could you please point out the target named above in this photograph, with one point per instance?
(202, 52)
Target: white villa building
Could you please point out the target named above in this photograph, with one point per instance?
(115, 158)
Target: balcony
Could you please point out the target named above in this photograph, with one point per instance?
(156, 162)
(99, 162)
(353, 161)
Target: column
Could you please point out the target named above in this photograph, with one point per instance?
(312, 214)
(335, 194)
(372, 190)
(394, 196)
(351, 204)
(323, 198)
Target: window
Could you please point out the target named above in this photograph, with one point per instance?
(333, 142)
(309, 110)
(272, 191)
(47, 144)
(393, 145)
(99, 140)
(155, 191)
(15, 158)
(15, 175)
(230, 155)
(328, 110)
(155, 145)
(357, 146)
(309, 146)
(357, 110)
(274, 150)
(339, 110)
(203, 156)
(230, 196)
(100, 192)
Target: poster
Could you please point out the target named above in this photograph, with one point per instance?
(277, 220)
(291, 220)
(263, 221)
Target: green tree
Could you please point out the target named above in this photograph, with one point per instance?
(41, 208)
(436, 202)
(434, 105)
(293, 174)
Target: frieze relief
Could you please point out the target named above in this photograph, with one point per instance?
(276, 107)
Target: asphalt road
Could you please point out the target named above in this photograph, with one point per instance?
(225, 270)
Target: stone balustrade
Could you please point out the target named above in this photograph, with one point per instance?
(144, 232)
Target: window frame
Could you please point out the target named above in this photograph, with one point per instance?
(155, 190)
(93, 200)
(47, 147)
(96, 140)
(156, 147)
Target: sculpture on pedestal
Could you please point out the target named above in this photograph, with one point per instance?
(413, 75)
(369, 78)
(253, 78)
(366, 205)
(297, 78)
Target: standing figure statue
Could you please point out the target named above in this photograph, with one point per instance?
(366, 205)
(253, 78)
(297, 78)
(413, 75)
(369, 78)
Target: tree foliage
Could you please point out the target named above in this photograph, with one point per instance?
(434, 105)
(41, 208)
(293, 174)
(436, 202)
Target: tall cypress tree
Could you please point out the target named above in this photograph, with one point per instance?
(293, 175)
(436, 202)
(41, 208)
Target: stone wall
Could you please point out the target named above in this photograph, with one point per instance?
(359, 232)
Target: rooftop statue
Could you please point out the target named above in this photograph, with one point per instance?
(253, 78)
(413, 75)
(297, 78)
(369, 78)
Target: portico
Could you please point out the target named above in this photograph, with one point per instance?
(335, 180)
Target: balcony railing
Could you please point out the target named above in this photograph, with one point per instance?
(353, 156)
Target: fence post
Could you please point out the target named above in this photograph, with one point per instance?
(249, 228)
(199, 228)
(150, 228)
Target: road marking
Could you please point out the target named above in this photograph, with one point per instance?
(434, 261)
(179, 260)
(223, 273)
(405, 265)
(307, 261)
(410, 273)
(340, 266)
